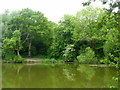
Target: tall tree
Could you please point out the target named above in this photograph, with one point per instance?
(31, 24)
(87, 25)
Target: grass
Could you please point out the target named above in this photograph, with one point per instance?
(40, 57)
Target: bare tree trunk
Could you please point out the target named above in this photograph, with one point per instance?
(29, 49)
(18, 53)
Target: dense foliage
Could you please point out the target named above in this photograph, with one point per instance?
(111, 46)
(91, 36)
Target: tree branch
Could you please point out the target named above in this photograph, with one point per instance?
(26, 38)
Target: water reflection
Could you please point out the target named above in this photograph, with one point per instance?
(49, 75)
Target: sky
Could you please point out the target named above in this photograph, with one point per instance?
(54, 10)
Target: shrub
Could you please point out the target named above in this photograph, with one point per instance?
(69, 53)
(18, 59)
(87, 57)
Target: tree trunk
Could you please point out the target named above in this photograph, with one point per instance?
(18, 53)
(91, 43)
(29, 48)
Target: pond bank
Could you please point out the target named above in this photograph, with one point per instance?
(32, 60)
(41, 60)
(38, 60)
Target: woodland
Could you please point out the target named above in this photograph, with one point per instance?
(90, 36)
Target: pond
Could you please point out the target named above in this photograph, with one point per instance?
(48, 75)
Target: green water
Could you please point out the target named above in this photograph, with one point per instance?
(57, 76)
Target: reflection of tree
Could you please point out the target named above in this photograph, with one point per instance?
(86, 70)
(94, 77)
(68, 74)
(56, 76)
(108, 80)
(10, 75)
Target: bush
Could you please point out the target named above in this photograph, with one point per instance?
(14, 59)
(69, 53)
(18, 59)
(87, 57)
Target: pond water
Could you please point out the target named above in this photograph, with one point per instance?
(49, 75)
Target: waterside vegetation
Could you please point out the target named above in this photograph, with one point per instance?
(90, 36)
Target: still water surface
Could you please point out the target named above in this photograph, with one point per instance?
(72, 75)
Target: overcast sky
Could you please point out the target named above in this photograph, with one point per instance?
(54, 10)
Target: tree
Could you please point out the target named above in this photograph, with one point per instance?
(10, 45)
(6, 17)
(88, 30)
(86, 25)
(62, 36)
(113, 4)
(16, 37)
(31, 24)
(112, 45)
